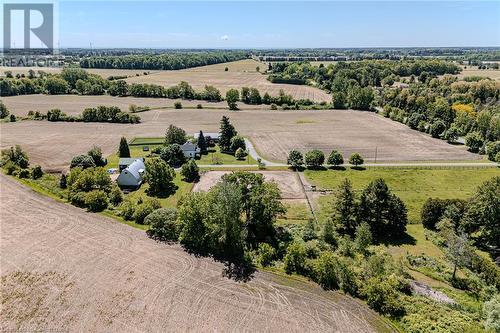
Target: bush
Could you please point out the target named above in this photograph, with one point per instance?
(356, 160)
(190, 171)
(10, 167)
(492, 149)
(96, 154)
(163, 224)
(82, 161)
(127, 210)
(295, 259)
(491, 311)
(240, 154)
(23, 173)
(266, 254)
(237, 142)
(326, 270)
(178, 105)
(314, 158)
(274, 107)
(295, 159)
(335, 158)
(382, 296)
(96, 201)
(36, 172)
(474, 141)
(4, 112)
(144, 209)
(115, 196)
(437, 129)
(63, 181)
(13, 118)
(199, 106)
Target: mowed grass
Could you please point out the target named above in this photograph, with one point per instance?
(214, 156)
(413, 185)
(171, 201)
(135, 151)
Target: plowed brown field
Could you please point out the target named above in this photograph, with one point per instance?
(63, 269)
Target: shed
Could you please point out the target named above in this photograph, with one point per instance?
(126, 161)
(209, 136)
(131, 176)
(190, 150)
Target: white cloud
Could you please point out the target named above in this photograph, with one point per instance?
(225, 37)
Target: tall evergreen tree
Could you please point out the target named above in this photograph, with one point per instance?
(227, 132)
(344, 208)
(202, 143)
(123, 151)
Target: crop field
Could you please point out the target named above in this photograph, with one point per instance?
(63, 268)
(474, 71)
(240, 74)
(274, 134)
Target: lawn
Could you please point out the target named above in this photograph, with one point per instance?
(412, 185)
(183, 188)
(296, 213)
(214, 156)
(135, 151)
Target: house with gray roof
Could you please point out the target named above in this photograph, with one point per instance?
(190, 150)
(131, 176)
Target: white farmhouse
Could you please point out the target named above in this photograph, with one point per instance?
(190, 150)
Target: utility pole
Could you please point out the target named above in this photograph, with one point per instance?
(376, 150)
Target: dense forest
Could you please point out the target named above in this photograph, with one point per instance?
(162, 61)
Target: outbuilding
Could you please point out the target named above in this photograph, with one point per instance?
(214, 137)
(126, 161)
(131, 176)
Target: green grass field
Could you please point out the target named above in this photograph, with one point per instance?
(412, 185)
(135, 151)
(214, 156)
(183, 188)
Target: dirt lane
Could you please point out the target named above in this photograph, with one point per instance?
(63, 268)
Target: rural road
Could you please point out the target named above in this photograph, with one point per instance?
(66, 269)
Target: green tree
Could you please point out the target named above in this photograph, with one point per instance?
(295, 259)
(314, 158)
(173, 155)
(144, 209)
(295, 159)
(237, 142)
(123, 150)
(163, 224)
(382, 210)
(335, 158)
(176, 135)
(437, 128)
(361, 98)
(451, 134)
(227, 132)
(193, 221)
(240, 154)
(96, 201)
(4, 112)
(483, 211)
(63, 182)
(458, 251)
(474, 141)
(344, 207)
(202, 143)
(492, 149)
(36, 172)
(159, 175)
(356, 159)
(55, 86)
(232, 96)
(190, 171)
(96, 154)
(82, 161)
(363, 237)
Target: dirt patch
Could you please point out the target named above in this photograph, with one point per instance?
(287, 182)
(124, 281)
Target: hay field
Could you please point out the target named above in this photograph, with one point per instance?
(240, 74)
(274, 134)
(474, 71)
(67, 270)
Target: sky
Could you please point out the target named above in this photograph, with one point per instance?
(280, 24)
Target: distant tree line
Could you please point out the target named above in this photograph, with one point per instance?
(162, 61)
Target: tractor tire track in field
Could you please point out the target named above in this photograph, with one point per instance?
(64, 268)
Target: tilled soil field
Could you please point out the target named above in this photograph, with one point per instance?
(63, 269)
(288, 182)
(274, 134)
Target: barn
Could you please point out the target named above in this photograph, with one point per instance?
(131, 176)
